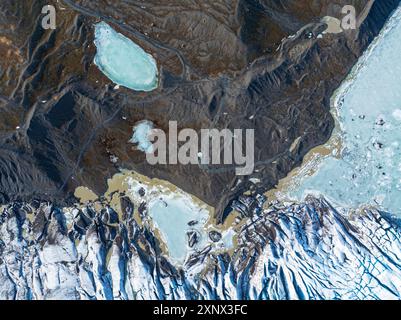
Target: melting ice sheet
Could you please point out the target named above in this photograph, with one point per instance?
(369, 108)
(124, 62)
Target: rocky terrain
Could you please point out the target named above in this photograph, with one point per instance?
(307, 251)
(223, 64)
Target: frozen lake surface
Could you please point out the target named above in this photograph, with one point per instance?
(124, 62)
(368, 170)
(173, 215)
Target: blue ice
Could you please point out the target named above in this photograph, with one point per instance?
(369, 169)
(141, 136)
(124, 62)
(171, 216)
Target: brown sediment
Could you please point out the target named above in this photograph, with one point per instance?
(333, 25)
(333, 147)
(108, 255)
(118, 186)
(31, 216)
(308, 167)
(311, 160)
(218, 69)
(84, 194)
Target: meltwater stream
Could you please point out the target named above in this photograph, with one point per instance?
(368, 171)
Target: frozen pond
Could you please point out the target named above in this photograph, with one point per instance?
(124, 62)
(140, 136)
(173, 216)
(368, 171)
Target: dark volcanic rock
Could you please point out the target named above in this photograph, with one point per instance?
(142, 192)
(215, 236)
(223, 64)
(193, 238)
(127, 207)
(192, 223)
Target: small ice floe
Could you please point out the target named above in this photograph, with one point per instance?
(141, 134)
(254, 180)
(113, 159)
(309, 35)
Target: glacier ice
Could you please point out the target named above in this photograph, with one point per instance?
(305, 251)
(368, 105)
(124, 62)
